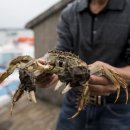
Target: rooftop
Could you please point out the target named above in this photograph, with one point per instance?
(43, 16)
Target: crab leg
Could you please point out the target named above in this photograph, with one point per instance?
(59, 85)
(16, 63)
(67, 88)
(115, 78)
(8, 72)
(83, 100)
(32, 96)
(28, 95)
(19, 92)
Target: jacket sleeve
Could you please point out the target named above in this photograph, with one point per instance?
(127, 51)
(65, 40)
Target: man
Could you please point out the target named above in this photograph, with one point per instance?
(99, 32)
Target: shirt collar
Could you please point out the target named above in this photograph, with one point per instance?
(112, 5)
(82, 5)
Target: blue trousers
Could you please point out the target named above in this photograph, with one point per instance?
(93, 117)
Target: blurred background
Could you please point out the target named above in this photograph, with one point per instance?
(28, 27)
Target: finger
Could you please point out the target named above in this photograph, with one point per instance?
(98, 80)
(54, 79)
(100, 89)
(41, 60)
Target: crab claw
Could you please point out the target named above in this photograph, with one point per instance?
(32, 96)
(11, 109)
(58, 85)
(37, 72)
(28, 96)
(66, 89)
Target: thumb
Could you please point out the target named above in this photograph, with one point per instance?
(41, 60)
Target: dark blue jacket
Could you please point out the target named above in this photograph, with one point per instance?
(103, 37)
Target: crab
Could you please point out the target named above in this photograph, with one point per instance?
(71, 71)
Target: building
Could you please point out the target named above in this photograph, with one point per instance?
(8, 35)
(44, 27)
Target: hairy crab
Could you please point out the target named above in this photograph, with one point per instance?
(70, 69)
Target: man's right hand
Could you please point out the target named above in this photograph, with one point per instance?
(49, 80)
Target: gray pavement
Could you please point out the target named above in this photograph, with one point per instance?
(29, 116)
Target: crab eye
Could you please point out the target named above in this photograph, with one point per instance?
(61, 63)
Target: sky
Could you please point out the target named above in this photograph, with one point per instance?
(16, 13)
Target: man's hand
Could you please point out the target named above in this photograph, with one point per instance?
(49, 80)
(99, 85)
